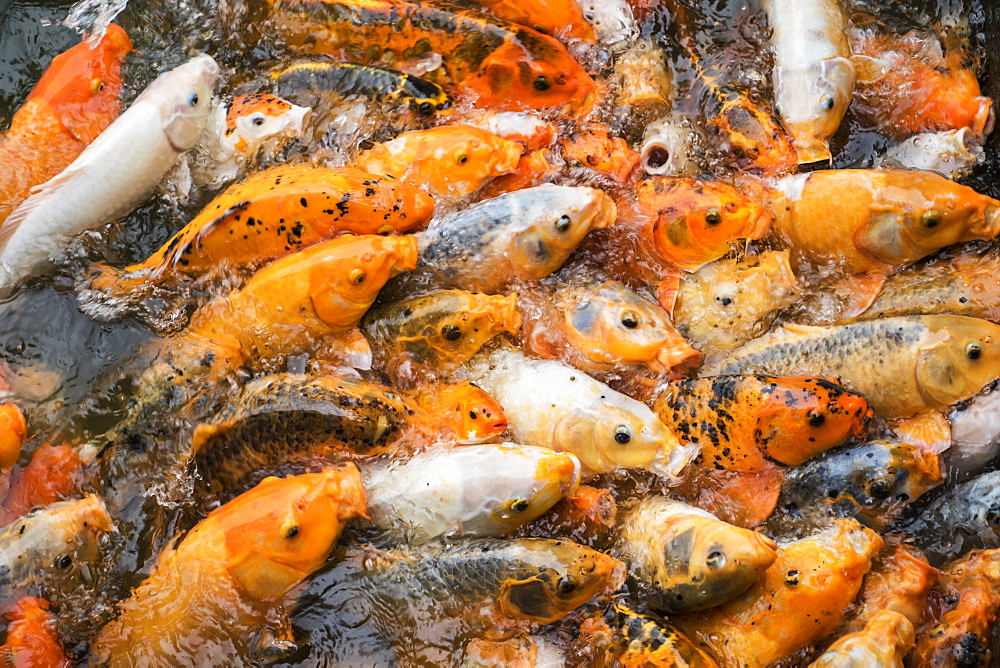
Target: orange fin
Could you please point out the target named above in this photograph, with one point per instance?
(666, 292)
(743, 498)
(929, 432)
(859, 292)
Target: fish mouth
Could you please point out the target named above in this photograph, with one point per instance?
(657, 157)
(761, 224)
(817, 151)
(561, 467)
(604, 212)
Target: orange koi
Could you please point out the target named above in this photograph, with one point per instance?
(231, 573)
(533, 169)
(689, 223)
(73, 102)
(49, 477)
(588, 517)
(450, 160)
(464, 409)
(598, 150)
(800, 599)
(13, 429)
(900, 584)
(500, 65)
(559, 18)
(32, 639)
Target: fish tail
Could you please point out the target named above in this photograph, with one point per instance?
(106, 293)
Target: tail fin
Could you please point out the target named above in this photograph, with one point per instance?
(108, 294)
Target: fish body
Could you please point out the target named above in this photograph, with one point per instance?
(47, 478)
(465, 410)
(474, 490)
(113, 175)
(486, 581)
(280, 417)
(275, 212)
(388, 87)
(799, 600)
(689, 223)
(650, 641)
(13, 429)
(553, 405)
(813, 77)
(227, 578)
(559, 18)
(498, 64)
(32, 638)
(526, 234)
(598, 150)
(726, 303)
(903, 366)
(644, 89)
(73, 102)
(875, 221)
(599, 325)
(613, 22)
(962, 635)
(883, 641)
(872, 482)
(681, 558)
(438, 331)
(450, 161)
(50, 541)
(975, 432)
(900, 584)
(966, 515)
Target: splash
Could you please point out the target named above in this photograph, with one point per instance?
(91, 18)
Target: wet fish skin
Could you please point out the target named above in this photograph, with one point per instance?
(465, 410)
(872, 482)
(883, 641)
(651, 641)
(681, 558)
(903, 366)
(474, 490)
(50, 540)
(281, 417)
(32, 638)
(163, 122)
(967, 515)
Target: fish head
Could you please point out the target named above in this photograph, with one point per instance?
(343, 288)
(184, 97)
(704, 562)
(694, 222)
(753, 135)
(805, 416)
(564, 215)
(610, 323)
(283, 529)
(601, 151)
(534, 481)
(958, 359)
(812, 102)
(252, 119)
(568, 576)
(544, 76)
(474, 415)
(82, 84)
(458, 159)
(468, 320)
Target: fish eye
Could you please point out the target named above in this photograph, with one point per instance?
(193, 100)
(816, 419)
(462, 159)
(357, 276)
(257, 119)
(64, 561)
(930, 219)
(565, 585)
(937, 631)
(826, 103)
(630, 319)
(563, 223)
(425, 108)
(542, 83)
(623, 434)
(473, 415)
(713, 216)
(880, 489)
(792, 578)
(292, 531)
(96, 85)
(716, 560)
(519, 505)
(973, 351)
(451, 332)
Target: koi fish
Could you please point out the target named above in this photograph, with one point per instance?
(437, 332)
(951, 154)
(650, 641)
(903, 366)
(723, 305)
(681, 558)
(526, 234)
(965, 516)
(245, 557)
(475, 490)
(689, 223)
(612, 21)
(450, 161)
(599, 325)
(975, 432)
(553, 405)
(464, 410)
(32, 638)
(269, 215)
(114, 174)
(813, 76)
(50, 542)
(798, 601)
(48, 477)
(588, 516)
(281, 417)
(13, 429)
(237, 130)
(962, 635)
(672, 145)
(644, 89)
(528, 129)
(872, 482)
(883, 641)
(73, 102)
(595, 149)
(499, 65)
(535, 168)
(559, 18)
(918, 87)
